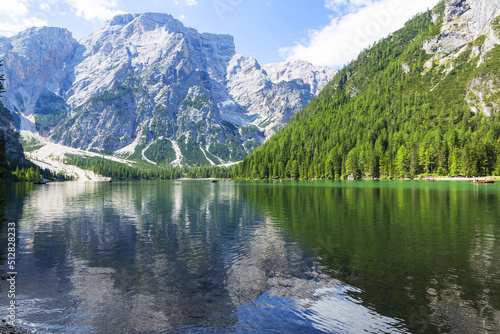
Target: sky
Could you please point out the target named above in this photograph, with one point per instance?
(323, 32)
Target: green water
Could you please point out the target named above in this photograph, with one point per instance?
(426, 253)
(192, 256)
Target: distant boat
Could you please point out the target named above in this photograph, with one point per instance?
(39, 182)
(482, 182)
(431, 180)
(214, 181)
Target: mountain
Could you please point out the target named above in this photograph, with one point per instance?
(147, 87)
(11, 149)
(424, 100)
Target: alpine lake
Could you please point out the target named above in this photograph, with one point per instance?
(254, 257)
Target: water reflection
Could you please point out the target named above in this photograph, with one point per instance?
(3, 221)
(164, 257)
(427, 254)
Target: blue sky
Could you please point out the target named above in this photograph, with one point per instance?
(324, 32)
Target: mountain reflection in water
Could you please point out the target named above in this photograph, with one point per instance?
(164, 257)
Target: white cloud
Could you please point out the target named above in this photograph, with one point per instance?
(44, 6)
(15, 17)
(337, 5)
(334, 4)
(11, 28)
(189, 3)
(345, 36)
(346, 6)
(13, 8)
(95, 9)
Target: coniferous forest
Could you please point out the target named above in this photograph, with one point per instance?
(120, 171)
(388, 115)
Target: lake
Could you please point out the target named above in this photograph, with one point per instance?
(236, 257)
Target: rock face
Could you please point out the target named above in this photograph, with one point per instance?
(144, 86)
(13, 149)
(33, 64)
(470, 26)
(274, 92)
(464, 22)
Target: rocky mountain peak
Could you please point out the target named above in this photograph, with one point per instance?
(140, 24)
(57, 44)
(146, 80)
(37, 37)
(33, 62)
(147, 22)
(315, 76)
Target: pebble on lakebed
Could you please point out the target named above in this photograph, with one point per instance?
(7, 329)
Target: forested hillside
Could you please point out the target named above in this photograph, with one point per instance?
(396, 111)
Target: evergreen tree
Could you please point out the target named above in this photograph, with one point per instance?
(1, 80)
(374, 167)
(402, 161)
(3, 156)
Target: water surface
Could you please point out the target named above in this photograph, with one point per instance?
(198, 257)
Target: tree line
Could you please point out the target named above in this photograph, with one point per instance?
(120, 171)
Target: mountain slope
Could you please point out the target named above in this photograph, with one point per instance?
(146, 87)
(11, 151)
(423, 100)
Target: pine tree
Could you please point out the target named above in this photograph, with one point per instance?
(1, 80)
(497, 167)
(3, 156)
(374, 167)
(402, 163)
(294, 173)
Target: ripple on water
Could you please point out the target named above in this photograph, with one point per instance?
(327, 310)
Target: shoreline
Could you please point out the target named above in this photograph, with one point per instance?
(491, 178)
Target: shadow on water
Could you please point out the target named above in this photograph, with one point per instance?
(11, 207)
(3, 223)
(3, 218)
(429, 255)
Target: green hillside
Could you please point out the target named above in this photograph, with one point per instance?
(387, 114)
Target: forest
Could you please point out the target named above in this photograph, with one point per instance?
(386, 115)
(119, 171)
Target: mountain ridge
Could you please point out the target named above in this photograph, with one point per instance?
(145, 79)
